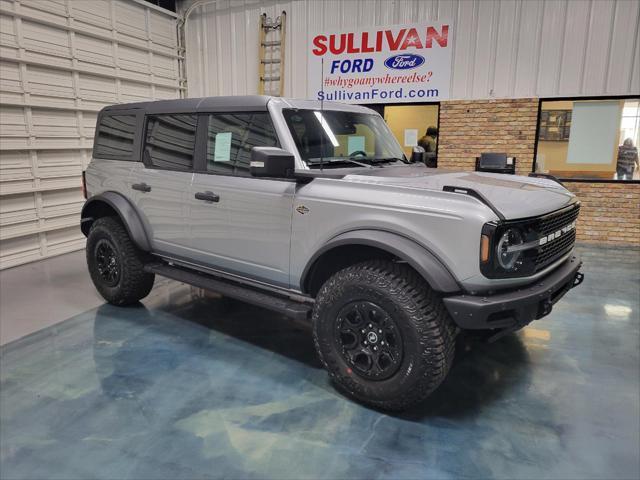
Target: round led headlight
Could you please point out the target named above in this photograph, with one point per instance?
(508, 257)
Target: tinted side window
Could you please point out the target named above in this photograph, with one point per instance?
(170, 141)
(115, 136)
(231, 137)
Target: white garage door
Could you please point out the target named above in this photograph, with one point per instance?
(61, 61)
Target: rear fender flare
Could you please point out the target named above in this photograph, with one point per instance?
(125, 210)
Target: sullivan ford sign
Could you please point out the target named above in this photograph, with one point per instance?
(388, 64)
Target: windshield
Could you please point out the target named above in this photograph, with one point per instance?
(342, 137)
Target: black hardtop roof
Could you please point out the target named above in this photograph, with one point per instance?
(244, 103)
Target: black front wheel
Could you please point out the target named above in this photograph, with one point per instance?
(115, 264)
(383, 335)
(369, 340)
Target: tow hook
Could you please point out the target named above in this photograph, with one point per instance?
(579, 278)
(545, 308)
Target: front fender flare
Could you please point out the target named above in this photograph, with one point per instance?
(125, 211)
(421, 259)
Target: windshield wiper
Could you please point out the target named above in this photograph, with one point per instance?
(384, 160)
(328, 161)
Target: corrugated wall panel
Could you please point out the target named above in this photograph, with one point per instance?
(61, 62)
(625, 28)
(501, 48)
(465, 50)
(634, 81)
(506, 50)
(551, 46)
(484, 39)
(598, 47)
(574, 42)
(296, 75)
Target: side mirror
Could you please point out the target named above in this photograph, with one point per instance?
(271, 162)
(417, 155)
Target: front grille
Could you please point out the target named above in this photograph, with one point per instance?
(555, 249)
(550, 252)
(555, 221)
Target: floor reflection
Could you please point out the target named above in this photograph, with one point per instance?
(481, 374)
(186, 385)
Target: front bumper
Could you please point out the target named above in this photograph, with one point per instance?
(516, 308)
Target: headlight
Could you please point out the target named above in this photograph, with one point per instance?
(507, 253)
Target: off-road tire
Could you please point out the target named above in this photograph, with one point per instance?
(427, 332)
(133, 283)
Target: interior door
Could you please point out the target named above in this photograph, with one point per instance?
(162, 181)
(239, 223)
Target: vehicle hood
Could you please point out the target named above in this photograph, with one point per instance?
(512, 195)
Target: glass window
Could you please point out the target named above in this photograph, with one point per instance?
(231, 136)
(414, 125)
(170, 141)
(338, 138)
(115, 136)
(589, 139)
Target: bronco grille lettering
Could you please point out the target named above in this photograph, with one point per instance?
(557, 234)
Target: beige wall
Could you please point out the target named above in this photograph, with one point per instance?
(419, 117)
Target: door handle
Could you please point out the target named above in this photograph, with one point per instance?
(207, 196)
(143, 187)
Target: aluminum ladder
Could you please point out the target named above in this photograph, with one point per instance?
(271, 68)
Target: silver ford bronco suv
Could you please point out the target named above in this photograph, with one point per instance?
(315, 212)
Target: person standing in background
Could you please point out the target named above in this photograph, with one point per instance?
(627, 160)
(430, 143)
(430, 140)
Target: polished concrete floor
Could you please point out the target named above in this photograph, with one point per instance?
(190, 386)
(40, 294)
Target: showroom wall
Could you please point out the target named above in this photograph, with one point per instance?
(61, 62)
(513, 48)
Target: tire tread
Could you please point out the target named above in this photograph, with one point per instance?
(424, 308)
(135, 282)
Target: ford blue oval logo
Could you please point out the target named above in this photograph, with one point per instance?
(404, 61)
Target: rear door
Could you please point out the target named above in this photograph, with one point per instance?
(161, 182)
(245, 228)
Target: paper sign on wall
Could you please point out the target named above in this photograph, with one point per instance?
(222, 150)
(410, 137)
(355, 143)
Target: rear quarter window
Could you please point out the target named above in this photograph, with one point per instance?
(170, 141)
(116, 137)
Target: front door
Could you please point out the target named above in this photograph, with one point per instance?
(161, 183)
(238, 223)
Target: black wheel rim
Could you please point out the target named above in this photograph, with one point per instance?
(107, 262)
(369, 340)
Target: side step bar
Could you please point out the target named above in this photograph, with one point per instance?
(280, 304)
